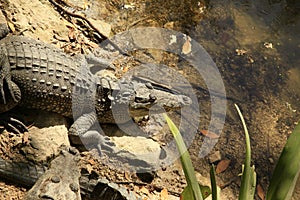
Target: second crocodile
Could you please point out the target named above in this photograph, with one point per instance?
(63, 179)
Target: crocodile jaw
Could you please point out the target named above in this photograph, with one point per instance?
(156, 101)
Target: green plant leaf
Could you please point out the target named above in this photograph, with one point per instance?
(248, 184)
(214, 187)
(287, 170)
(187, 193)
(186, 161)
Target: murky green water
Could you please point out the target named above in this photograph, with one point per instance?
(256, 47)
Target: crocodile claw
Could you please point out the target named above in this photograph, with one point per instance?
(12, 124)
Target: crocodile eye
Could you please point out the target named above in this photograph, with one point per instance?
(152, 97)
(126, 94)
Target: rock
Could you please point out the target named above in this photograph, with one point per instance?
(102, 26)
(36, 19)
(3, 26)
(47, 134)
(215, 157)
(142, 153)
(137, 145)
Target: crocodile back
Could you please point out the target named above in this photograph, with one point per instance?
(45, 74)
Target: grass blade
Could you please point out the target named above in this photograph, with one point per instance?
(186, 161)
(214, 187)
(248, 184)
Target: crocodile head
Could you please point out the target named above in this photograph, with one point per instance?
(154, 98)
(131, 96)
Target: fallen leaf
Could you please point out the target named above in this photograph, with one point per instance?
(89, 168)
(125, 69)
(126, 174)
(91, 161)
(72, 34)
(260, 192)
(209, 134)
(164, 194)
(11, 26)
(187, 46)
(93, 44)
(26, 138)
(144, 190)
(251, 60)
(222, 166)
(240, 52)
(268, 45)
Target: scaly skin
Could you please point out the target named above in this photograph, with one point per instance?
(62, 180)
(40, 76)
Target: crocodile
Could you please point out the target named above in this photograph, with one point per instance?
(37, 75)
(63, 179)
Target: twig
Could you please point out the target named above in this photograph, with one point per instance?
(80, 17)
(103, 37)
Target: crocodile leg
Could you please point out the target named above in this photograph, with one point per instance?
(5, 80)
(80, 130)
(10, 122)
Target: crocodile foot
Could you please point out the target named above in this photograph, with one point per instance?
(12, 124)
(92, 139)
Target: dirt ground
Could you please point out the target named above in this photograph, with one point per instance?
(254, 45)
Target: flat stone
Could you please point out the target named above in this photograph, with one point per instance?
(138, 148)
(137, 145)
(215, 157)
(47, 134)
(102, 26)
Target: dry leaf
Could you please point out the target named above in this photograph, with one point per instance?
(125, 69)
(260, 192)
(89, 168)
(26, 138)
(91, 161)
(222, 166)
(11, 26)
(126, 174)
(93, 44)
(209, 134)
(240, 52)
(144, 190)
(164, 194)
(187, 46)
(72, 34)
(268, 45)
